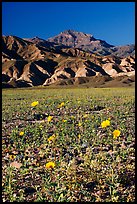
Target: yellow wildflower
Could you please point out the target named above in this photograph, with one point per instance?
(108, 122)
(50, 118)
(116, 134)
(64, 120)
(61, 105)
(51, 138)
(85, 116)
(79, 136)
(35, 103)
(21, 133)
(50, 165)
(11, 157)
(105, 123)
(79, 124)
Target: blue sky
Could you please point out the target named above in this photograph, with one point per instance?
(113, 22)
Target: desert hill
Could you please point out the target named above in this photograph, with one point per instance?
(33, 62)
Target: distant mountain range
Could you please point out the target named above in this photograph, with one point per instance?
(70, 58)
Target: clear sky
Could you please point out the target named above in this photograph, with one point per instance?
(113, 22)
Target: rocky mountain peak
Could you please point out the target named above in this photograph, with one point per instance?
(76, 33)
(80, 40)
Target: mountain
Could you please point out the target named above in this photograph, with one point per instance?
(123, 51)
(87, 42)
(34, 61)
(41, 42)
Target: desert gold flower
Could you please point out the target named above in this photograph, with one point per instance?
(85, 116)
(79, 124)
(105, 123)
(50, 118)
(21, 133)
(11, 157)
(64, 121)
(79, 136)
(51, 138)
(108, 122)
(50, 165)
(116, 134)
(61, 105)
(35, 103)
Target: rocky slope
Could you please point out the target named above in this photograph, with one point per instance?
(33, 62)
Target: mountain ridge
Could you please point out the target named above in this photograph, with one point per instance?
(35, 61)
(88, 42)
(70, 39)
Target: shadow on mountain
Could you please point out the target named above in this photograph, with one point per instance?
(11, 53)
(48, 65)
(70, 71)
(5, 78)
(37, 77)
(95, 67)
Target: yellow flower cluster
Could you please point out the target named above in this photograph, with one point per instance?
(35, 103)
(21, 133)
(105, 123)
(116, 134)
(50, 165)
(51, 138)
(50, 118)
